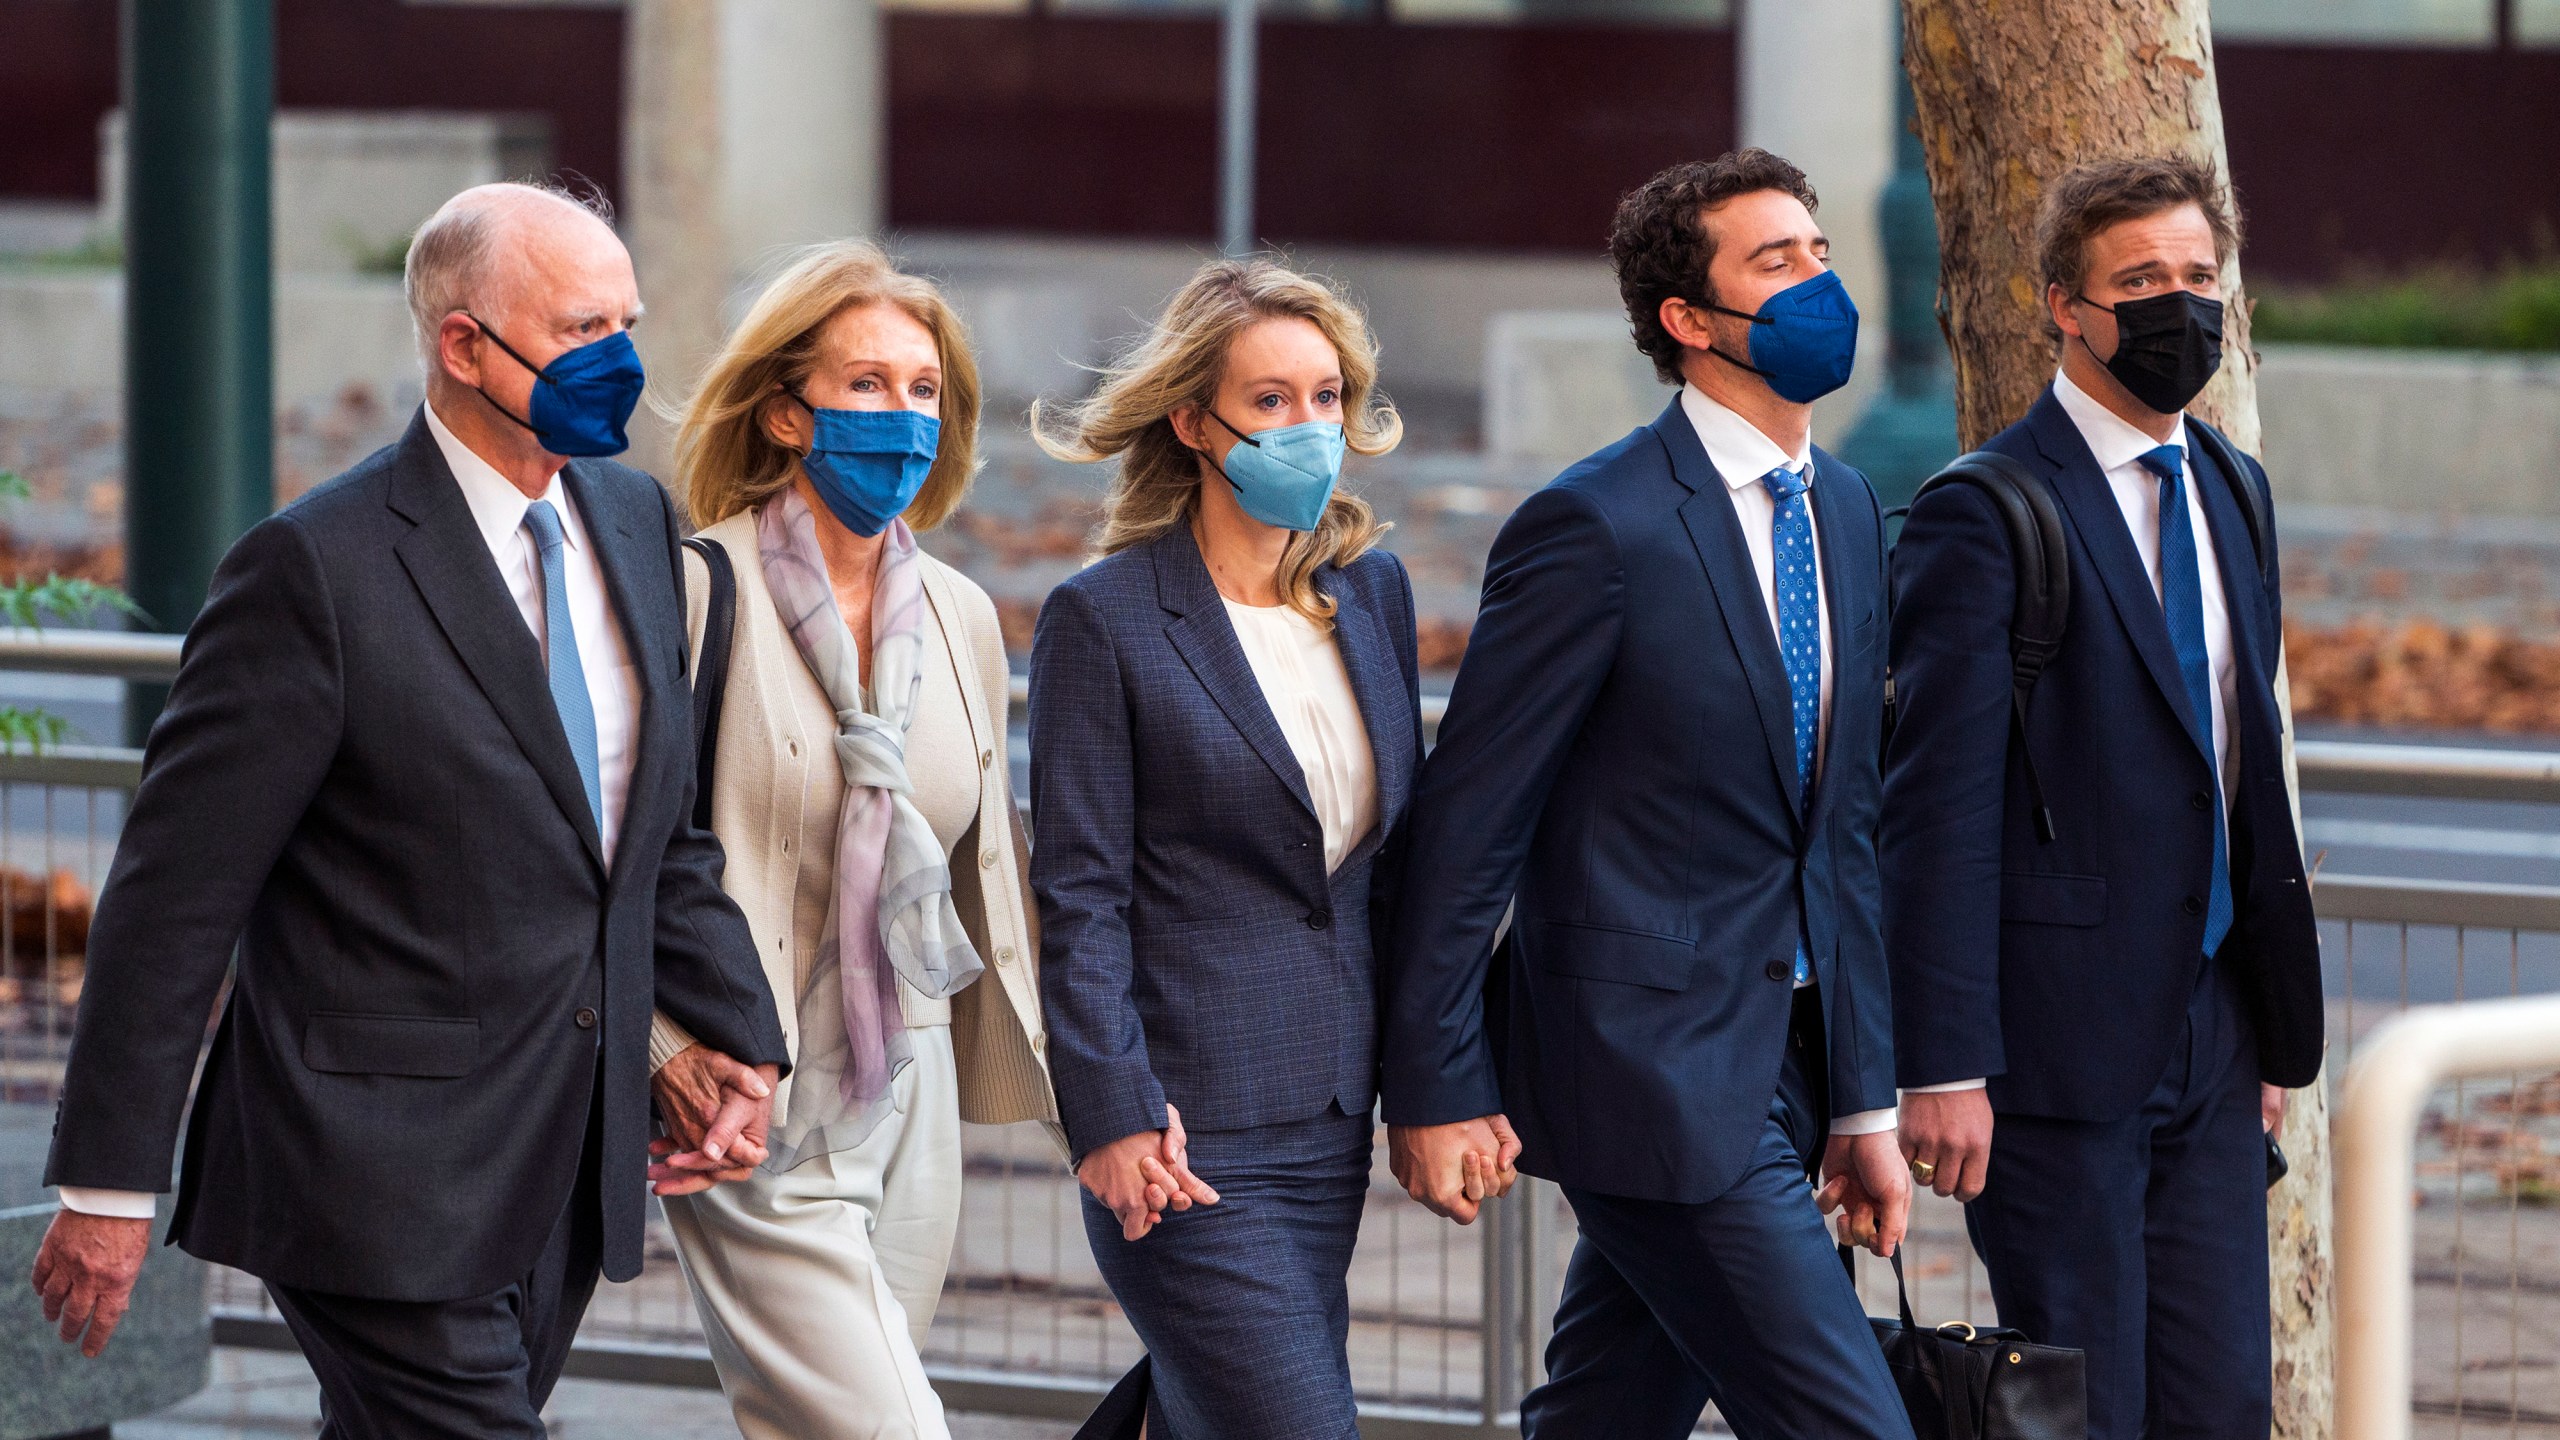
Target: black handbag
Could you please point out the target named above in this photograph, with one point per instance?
(1960, 1383)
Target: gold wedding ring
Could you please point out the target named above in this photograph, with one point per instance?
(1923, 1171)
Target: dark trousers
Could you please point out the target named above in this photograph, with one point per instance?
(1740, 1300)
(2143, 1241)
(478, 1367)
(1245, 1305)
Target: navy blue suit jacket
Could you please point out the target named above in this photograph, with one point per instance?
(1618, 768)
(2062, 971)
(1193, 949)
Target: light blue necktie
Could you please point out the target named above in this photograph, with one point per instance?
(568, 677)
(2182, 603)
(1799, 611)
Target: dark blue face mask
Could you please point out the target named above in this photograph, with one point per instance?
(583, 398)
(1803, 340)
(869, 465)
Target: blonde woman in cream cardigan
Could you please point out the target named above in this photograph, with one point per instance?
(860, 791)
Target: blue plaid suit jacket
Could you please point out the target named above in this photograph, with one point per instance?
(1193, 949)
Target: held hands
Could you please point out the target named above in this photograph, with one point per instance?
(85, 1271)
(1453, 1169)
(1863, 1178)
(1950, 1129)
(716, 1112)
(1139, 1177)
(2271, 1108)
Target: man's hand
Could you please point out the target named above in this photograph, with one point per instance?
(2271, 1108)
(1139, 1177)
(1950, 1129)
(1452, 1169)
(85, 1271)
(716, 1112)
(1863, 1176)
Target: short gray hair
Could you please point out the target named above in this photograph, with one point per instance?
(450, 255)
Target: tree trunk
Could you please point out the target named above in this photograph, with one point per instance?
(2009, 97)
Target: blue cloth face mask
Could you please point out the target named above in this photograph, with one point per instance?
(868, 465)
(1803, 340)
(583, 399)
(1284, 476)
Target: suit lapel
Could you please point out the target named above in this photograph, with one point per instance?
(1207, 643)
(1842, 593)
(624, 556)
(450, 564)
(2091, 502)
(1716, 533)
(1377, 683)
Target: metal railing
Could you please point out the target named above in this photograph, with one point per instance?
(1449, 1323)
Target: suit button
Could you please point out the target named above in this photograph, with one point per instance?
(2194, 906)
(2200, 800)
(1319, 919)
(1780, 970)
(585, 1019)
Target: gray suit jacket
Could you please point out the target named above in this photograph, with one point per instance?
(362, 789)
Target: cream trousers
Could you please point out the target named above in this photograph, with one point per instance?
(816, 1286)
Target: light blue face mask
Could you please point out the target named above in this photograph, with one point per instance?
(1284, 476)
(868, 465)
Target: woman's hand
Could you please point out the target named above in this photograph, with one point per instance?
(1139, 1177)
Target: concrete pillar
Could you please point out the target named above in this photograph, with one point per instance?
(749, 127)
(1817, 86)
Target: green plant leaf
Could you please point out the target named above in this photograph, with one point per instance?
(30, 730)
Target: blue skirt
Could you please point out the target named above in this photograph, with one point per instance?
(1245, 1306)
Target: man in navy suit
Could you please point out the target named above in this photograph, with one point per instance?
(1660, 758)
(2128, 989)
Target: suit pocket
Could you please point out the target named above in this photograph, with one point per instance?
(2053, 899)
(1627, 957)
(423, 1046)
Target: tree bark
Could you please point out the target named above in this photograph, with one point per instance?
(2009, 97)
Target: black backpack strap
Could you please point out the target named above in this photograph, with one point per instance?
(2257, 508)
(711, 676)
(2040, 557)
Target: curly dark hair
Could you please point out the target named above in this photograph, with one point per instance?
(1660, 246)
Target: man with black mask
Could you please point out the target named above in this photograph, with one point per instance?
(2095, 1019)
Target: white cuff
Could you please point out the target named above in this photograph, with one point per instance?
(1947, 1089)
(1865, 1122)
(114, 1204)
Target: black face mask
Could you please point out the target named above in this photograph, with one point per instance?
(2167, 346)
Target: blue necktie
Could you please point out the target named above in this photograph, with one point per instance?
(1799, 611)
(2182, 603)
(568, 677)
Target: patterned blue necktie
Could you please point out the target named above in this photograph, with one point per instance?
(568, 676)
(2182, 603)
(1799, 611)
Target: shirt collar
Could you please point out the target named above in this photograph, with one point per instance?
(497, 506)
(1735, 446)
(2111, 437)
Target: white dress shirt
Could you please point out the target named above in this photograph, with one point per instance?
(613, 688)
(1300, 670)
(2119, 448)
(1741, 455)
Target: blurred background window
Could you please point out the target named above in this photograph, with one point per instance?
(2396, 22)
(2537, 22)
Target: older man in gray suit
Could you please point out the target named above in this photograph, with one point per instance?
(427, 770)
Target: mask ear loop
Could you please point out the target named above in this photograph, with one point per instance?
(484, 328)
(1718, 351)
(1212, 413)
(2084, 334)
(796, 399)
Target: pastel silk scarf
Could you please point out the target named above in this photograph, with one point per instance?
(891, 918)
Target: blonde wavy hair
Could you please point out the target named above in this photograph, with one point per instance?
(1180, 362)
(726, 460)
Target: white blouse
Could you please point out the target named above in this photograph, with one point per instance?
(1303, 680)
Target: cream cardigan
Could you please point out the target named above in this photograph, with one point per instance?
(773, 719)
